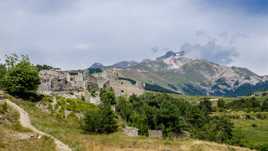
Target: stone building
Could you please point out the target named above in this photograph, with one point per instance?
(121, 86)
(131, 131)
(57, 80)
(79, 84)
(155, 133)
(70, 84)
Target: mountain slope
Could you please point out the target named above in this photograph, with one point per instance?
(178, 73)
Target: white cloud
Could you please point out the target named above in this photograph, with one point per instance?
(74, 34)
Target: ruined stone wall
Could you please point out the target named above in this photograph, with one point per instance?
(78, 84)
(55, 80)
(110, 78)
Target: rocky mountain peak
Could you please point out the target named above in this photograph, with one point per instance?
(171, 54)
(97, 66)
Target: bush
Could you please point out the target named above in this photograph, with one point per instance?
(221, 104)
(217, 129)
(107, 96)
(100, 121)
(265, 106)
(43, 67)
(3, 71)
(21, 77)
(174, 116)
(206, 106)
(263, 147)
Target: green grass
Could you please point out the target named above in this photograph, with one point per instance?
(9, 119)
(10, 129)
(252, 136)
(70, 132)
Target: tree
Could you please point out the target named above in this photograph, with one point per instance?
(107, 96)
(265, 105)
(12, 60)
(21, 76)
(108, 120)
(124, 108)
(92, 121)
(206, 106)
(43, 67)
(100, 121)
(104, 119)
(3, 72)
(221, 104)
(216, 129)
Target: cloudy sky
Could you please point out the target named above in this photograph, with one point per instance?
(73, 34)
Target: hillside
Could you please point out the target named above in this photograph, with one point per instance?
(15, 137)
(69, 131)
(178, 73)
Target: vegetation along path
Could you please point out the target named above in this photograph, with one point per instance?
(26, 122)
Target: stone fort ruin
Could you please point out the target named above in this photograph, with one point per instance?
(80, 84)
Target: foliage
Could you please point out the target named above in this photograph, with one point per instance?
(102, 120)
(92, 88)
(173, 116)
(206, 106)
(21, 76)
(3, 71)
(216, 129)
(124, 108)
(158, 88)
(221, 104)
(263, 147)
(107, 96)
(94, 70)
(265, 106)
(245, 104)
(43, 67)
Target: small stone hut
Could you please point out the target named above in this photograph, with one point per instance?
(155, 133)
(131, 131)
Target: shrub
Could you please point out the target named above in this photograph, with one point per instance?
(107, 96)
(217, 129)
(263, 147)
(265, 105)
(100, 121)
(206, 106)
(21, 77)
(221, 104)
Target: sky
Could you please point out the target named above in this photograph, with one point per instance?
(73, 34)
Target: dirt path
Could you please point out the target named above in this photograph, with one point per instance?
(26, 122)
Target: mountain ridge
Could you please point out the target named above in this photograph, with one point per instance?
(191, 76)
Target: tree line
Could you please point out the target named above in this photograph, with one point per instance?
(157, 111)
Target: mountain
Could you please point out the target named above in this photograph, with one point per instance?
(125, 64)
(96, 66)
(179, 74)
